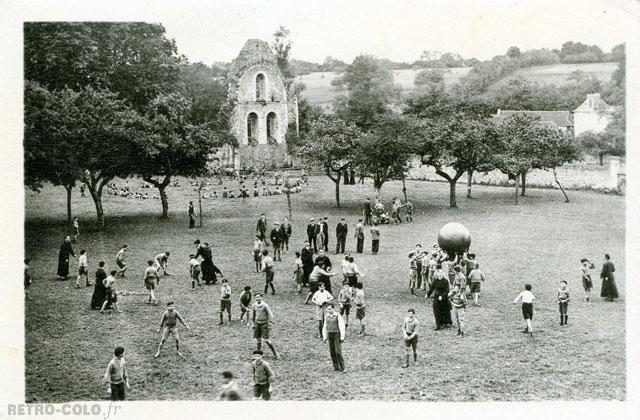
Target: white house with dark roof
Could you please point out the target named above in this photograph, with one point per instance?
(561, 119)
(594, 114)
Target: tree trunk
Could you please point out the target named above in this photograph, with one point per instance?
(555, 176)
(69, 188)
(164, 200)
(337, 182)
(601, 158)
(96, 194)
(289, 204)
(469, 178)
(99, 212)
(200, 204)
(517, 179)
(523, 176)
(452, 194)
(404, 190)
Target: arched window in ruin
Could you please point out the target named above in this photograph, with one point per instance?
(272, 127)
(261, 87)
(252, 128)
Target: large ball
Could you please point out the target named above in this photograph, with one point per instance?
(454, 238)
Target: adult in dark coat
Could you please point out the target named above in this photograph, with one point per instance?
(208, 268)
(609, 290)
(341, 236)
(439, 288)
(261, 228)
(286, 230)
(277, 238)
(99, 291)
(325, 230)
(311, 234)
(63, 258)
(306, 255)
(367, 212)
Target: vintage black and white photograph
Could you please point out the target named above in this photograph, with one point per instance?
(396, 201)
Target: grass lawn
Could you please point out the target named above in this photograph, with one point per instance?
(540, 241)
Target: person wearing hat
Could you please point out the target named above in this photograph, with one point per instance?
(311, 233)
(277, 236)
(169, 326)
(262, 376)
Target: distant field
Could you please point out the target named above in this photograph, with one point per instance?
(320, 92)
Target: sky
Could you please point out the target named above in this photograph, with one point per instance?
(400, 30)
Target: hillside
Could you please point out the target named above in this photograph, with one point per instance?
(320, 92)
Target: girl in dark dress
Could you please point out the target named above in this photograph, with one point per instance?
(440, 290)
(609, 290)
(63, 258)
(99, 291)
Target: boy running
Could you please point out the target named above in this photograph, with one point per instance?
(169, 326)
(83, 269)
(245, 301)
(150, 279)
(225, 300)
(111, 298)
(267, 267)
(194, 271)
(410, 332)
(116, 375)
(527, 307)
(120, 256)
(262, 376)
(458, 300)
(563, 302)
(262, 318)
(360, 306)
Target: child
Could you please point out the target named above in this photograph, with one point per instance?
(194, 271)
(169, 326)
(458, 300)
(587, 283)
(459, 278)
(360, 306)
(27, 278)
(257, 252)
(120, 261)
(267, 267)
(298, 272)
(230, 389)
(563, 302)
(475, 278)
(409, 211)
(320, 298)
(162, 261)
(245, 301)
(527, 307)
(333, 331)
(375, 238)
(225, 300)
(76, 228)
(111, 298)
(262, 318)
(345, 297)
(116, 375)
(83, 269)
(150, 279)
(410, 332)
(262, 376)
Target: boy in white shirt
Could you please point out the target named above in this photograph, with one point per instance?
(83, 269)
(320, 299)
(527, 307)
(194, 271)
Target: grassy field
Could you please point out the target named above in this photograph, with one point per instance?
(320, 92)
(540, 242)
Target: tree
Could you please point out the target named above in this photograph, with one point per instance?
(174, 145)
(330, 144)
(132, 59)
(513, 52)
(431, 79)
(384, 152)
(559, 149)
(456, 143)
(48, 156)
(609, 142)
(371, 92)
(281, 44)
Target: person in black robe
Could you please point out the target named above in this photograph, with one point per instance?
(63, 258)
(208, 268)
(609, 290)
(439, 288)
(99, 291)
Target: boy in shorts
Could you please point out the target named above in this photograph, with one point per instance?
(562, 299)
(262, 318)
(360, 306)
(410, 332)
(116, 375)
(262, 376)
(150, 279)
(527, 308)
(245, 301)
(345, 297)
(458, 300)
(120, 261)
(169, 326)
(587, 283)
(257, 252)
(162, 261)
(83, 269)
(194, 271)
(267, 267)
(225, 300)
(111, 298)
(475, 278)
